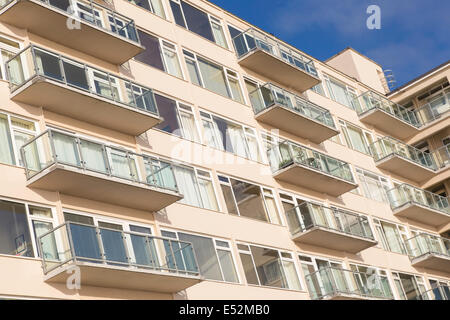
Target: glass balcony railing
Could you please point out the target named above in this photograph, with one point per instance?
(330, 281)
(35, 62)
(406, 193)
(268, 95)
(252, 39)
(75, 242)
(423, 244)
(441, 292)
(371, 101)
(442, 156)
(91, 12)
(389, 146)
(288, 153)
(54, 147)
(435, 109)
(309, 215)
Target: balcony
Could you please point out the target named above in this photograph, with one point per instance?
(441, 157)
(65, 86)
(440, 292)
(419, 205)
(88, 169)
(291, 113)
(304, 167)
(387, 116)
(330, 228)
(332, 283)
(434, 117)
(404, 160)
(88, 26)
(116, 259)
(431, 252)
(274, 60)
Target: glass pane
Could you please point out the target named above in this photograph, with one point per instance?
(75, 75)
(206, 255)
(15, 236)
(168, 110)
(213, 77)
(197, 21)
(48, 65)
(6, 149)
(226, 262)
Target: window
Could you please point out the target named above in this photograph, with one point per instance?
(8, 49)
(159, 54)
(269, 267)
(20, 226)
(249, 200)
(341, 93)
(214, 256)
(409, 287)
(356, 138)
(373, 186)
(391, 236)
(154, 6)
(178, 118)
(14, 133)
(230, 136)
(213, 77)
(199, 22)
(365, 281)
(196, 186)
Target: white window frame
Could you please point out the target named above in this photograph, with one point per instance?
(213, 19)
(152, 10)
(216, 247)
(348, 90)
(193, 57)
(165, 44)
(180, 108)
(382, 180)
(9, 49)
(280, 256)
(402, 232)
(262, 190)
(344, 124)
(395, 276)
(53, 220)
(210, 17)
(196, 174)
(209, 117)
(16, 153)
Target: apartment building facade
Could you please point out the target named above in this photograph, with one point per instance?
(167, 149)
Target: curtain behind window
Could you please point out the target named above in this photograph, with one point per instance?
(187, 186)
(6, 150)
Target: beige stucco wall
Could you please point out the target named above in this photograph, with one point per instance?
(24, 277)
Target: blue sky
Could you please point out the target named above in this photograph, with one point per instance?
(414, 35)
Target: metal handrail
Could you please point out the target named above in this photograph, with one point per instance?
(120, 82)
(295, 105)
(307, 209)
(92, 4)
(82, 164)
(406, 193)
(128, 250)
